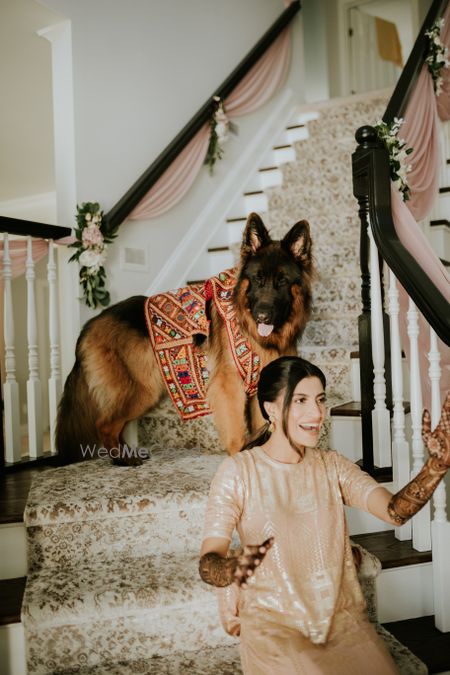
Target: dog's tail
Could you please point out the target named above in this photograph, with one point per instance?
(76, 435)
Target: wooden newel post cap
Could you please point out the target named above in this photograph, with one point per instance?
(367, 136)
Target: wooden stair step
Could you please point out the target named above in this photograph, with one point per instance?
(218, 249)
(390, 551)
(424, 640)
(11, 595)
(15, 484)
(353, 409)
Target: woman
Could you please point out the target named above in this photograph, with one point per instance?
(302, 609)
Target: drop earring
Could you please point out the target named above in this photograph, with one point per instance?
(271, 428)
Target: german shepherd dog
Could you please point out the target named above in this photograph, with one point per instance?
(116, 377)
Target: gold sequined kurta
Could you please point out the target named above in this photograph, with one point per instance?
(303, 610)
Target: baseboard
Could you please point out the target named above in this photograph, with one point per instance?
(12, 650)
(13, 540)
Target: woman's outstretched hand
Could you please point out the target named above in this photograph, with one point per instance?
(438, 441)
(250, 558)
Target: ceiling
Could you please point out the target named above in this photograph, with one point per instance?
(26, 121)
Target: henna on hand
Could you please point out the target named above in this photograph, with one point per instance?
(410, 499)
(219, 571)
(438, 441)
(249, 560)
(216, 570)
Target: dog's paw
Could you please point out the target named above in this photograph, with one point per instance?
(127, 461)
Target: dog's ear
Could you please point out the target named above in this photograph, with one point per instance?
(255, 235)
(298, 243)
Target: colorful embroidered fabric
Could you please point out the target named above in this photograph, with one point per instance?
(173, 318)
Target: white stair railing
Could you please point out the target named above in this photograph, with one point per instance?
(10, 386)
(34, 384)
(401, 469)
(32, 341)
(54, 382)
(421, 522)
(380, 414)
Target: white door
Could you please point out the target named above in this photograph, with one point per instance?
(368, 71)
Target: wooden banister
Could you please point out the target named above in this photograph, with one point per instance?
(32, 228)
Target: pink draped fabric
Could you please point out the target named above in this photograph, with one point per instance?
(263, 80)
(255, 89)
(176, 181)
(417, 244)
(421, 132)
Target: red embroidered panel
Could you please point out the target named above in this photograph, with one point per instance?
(173, 318)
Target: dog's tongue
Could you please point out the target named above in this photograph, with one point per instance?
(265, 329)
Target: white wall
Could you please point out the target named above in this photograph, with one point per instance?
(140, 72)
(314, 16)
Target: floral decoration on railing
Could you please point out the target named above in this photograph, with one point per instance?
(220, 127)
(437, 58)
(92, 236)
(398, 152)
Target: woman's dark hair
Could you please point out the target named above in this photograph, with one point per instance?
(280, 375)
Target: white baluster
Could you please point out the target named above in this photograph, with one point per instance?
(400, 447)
(440, 528)
(54, 382)
(33, 383)
(421, 521)
(380, 415)
(10, 387)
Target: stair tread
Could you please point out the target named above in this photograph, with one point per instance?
(14, 489)
(11, 594)
(390, 551)
(353, 409)
(107, 491)
(441, 221)
(121, 586)
(220, 660)
(424, 640)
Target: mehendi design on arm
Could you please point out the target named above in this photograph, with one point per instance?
(410, 499)
(216, 570)
(219, 571)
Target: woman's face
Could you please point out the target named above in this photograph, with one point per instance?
(307, 412)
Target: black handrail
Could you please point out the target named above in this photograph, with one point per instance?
(405, 85)
(139, 189)
(372, 188)
(375, 190)
(33, 229)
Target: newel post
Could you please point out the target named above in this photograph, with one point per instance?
(363, 159)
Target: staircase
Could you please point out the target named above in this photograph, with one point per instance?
(112, 583)
(317, 145)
